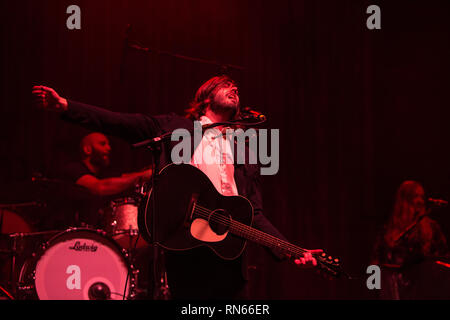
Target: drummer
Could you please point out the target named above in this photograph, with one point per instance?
(89, 173)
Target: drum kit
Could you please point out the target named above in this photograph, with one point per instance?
(72, 263)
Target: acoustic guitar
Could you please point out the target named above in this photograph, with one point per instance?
(189, 212)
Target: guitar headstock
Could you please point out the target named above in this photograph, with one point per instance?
(328, 265)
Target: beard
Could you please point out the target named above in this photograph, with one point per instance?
(100, 160)
(224, 106)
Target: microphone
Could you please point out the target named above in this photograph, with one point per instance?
(439, 203)
(248, 113)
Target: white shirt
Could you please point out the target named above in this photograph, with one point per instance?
(214, 157)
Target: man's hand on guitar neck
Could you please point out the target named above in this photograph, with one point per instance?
(308, 260)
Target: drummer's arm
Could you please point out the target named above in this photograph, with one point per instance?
(115, 185)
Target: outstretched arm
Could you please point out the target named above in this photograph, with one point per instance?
(131, 127)
(48, 99)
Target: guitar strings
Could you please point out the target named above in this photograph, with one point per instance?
(269, 239)
(246, 230)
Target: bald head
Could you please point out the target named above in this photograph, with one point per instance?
(95, 148)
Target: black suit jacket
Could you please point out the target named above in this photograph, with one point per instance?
(139, 127)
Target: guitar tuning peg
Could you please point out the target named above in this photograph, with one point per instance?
(336, 261)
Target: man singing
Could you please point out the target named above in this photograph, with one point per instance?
(197, 273)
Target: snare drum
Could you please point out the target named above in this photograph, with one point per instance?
(122, 222)
(79, 264)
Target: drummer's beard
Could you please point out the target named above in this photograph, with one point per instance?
(100, 160)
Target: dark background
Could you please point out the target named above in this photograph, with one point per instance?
(359, 111)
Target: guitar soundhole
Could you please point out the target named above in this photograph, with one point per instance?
(219, 221)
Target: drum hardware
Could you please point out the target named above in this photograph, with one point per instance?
(6, 293)
(131, 232)
(13, 262)
(15, 287)
(134, 275)
(34, 234)
(163, 290)
(14, 228)
(22, 205)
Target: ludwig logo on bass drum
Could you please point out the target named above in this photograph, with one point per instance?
(83, 247)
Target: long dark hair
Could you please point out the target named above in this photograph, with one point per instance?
(204, 96)
(404, 211)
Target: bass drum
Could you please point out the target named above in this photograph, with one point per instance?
(78, 264)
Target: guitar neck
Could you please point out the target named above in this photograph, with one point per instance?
(265, 239)
(262, 238)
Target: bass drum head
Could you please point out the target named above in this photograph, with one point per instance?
(82, 264)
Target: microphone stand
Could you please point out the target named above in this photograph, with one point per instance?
(223, 67)
(160, 289)
(156, 283)
(154, 145)
(161, 138)
(136, 46)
